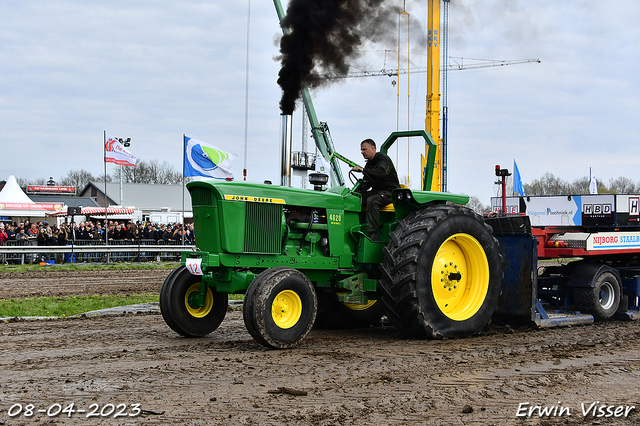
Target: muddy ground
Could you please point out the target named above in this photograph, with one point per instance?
(362, 377)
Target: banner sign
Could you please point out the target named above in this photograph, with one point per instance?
(31, 206)
(56, 189)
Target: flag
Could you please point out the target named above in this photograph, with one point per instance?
(322, 165)
(115, 152)
(517, 180)
(205, 160)
(593, 184)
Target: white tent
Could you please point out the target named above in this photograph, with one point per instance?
(15, 203)
(12, 193)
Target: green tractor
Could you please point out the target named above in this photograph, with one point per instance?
(301, 257)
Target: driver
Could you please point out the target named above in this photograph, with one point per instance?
(380, 178)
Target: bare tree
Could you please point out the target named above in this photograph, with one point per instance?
(78, 178)
(149, 172)
(579, 186)
(22, 183)
(548, 184)
(623, 185)
(100, 178)
(476, 205)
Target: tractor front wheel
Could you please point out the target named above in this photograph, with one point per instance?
(280, 307)
(181, 310)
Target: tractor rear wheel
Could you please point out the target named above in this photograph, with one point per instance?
(179, 310)
(334, 315)
(280, 307)
(601, 300)
(441, 274)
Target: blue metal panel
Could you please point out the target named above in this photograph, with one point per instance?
(519, 258)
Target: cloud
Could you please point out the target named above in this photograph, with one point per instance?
(153, 71)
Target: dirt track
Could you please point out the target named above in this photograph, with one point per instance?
(368, 376)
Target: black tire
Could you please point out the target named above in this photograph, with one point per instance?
(183, 318)
(335, 315)
(165, 297)
(280, 307)
(441, 274)
(601, 300)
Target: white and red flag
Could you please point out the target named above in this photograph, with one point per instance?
(115, 152)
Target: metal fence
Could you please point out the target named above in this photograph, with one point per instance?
(27, 251)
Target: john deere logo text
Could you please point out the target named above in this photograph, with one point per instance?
(251, 199)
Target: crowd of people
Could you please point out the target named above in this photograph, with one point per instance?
(86, 232)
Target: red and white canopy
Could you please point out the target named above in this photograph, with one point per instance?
(95, 211)
(90, 211)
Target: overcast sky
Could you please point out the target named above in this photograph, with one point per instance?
(155, 70)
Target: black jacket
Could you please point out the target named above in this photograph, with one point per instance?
(381, 173)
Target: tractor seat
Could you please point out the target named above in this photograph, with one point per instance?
(389, 207)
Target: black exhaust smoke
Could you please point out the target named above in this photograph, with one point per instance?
(324, 38)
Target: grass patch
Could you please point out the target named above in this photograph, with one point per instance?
(89, 266)
(67, 306)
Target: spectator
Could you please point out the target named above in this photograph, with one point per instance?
(116, 233)
(3, 235)
(177, 236)
(21, 235)
(189, 236)
(127, 231)
(99, 233)
(146, 234)
(153, 234)
(63, 235)
(32, 231)
(55, 235)
(10, 232)
(19, 227)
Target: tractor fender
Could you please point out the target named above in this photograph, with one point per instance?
(586, 274)
(406, 200)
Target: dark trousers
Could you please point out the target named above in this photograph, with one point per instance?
(373, 201)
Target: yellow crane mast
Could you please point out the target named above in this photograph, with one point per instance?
(432, 122)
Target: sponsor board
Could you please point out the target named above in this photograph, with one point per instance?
(614, 241)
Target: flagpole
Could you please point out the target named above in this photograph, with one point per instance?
(513, 190)
(104, 158)
(183, 154)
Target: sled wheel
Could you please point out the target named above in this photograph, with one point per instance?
(280, 307)
(441, 273)
(602, 300)
(333, 315)
(180, 311)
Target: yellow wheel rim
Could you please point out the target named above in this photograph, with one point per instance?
(460, 277)
(357, 307)
(286, 309)
(203, 311)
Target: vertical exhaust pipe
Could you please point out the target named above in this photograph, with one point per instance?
(285, 162)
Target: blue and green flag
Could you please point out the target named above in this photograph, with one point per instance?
(205, 160)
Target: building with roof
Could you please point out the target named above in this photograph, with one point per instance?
(144, 198)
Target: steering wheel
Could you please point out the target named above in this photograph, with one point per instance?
(353, 178)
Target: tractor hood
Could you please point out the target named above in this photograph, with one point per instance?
(335, 198)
